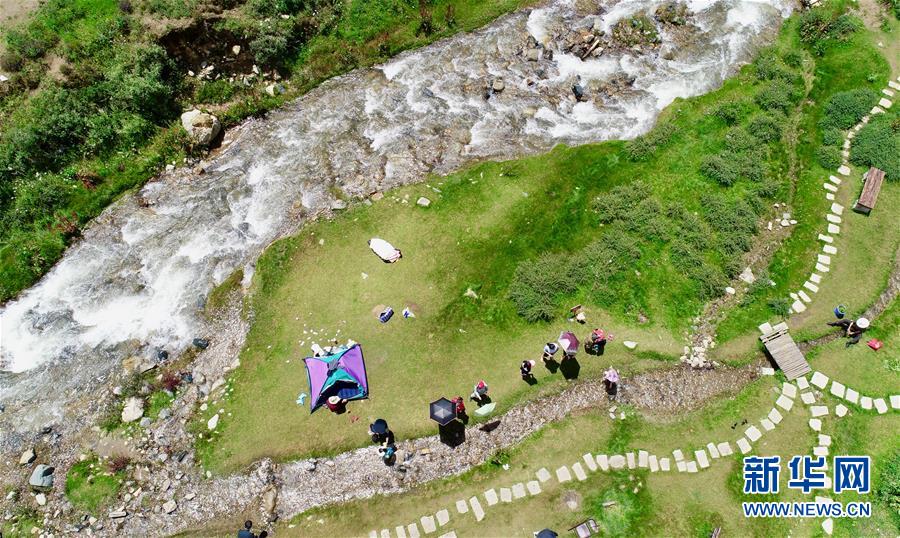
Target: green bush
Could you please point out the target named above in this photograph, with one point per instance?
(620, 201)
(821, 27)
(720, 168)
(732, 111)
(11, 62)
(215, 92)
(766, 127)
(646, 146)
(777, 95)
(829, 157)
(739, 139)
(710, 280)
(845, 109)
(770, 67)
(832, 136)
(887, 485)
(538, 284)
(878, 145)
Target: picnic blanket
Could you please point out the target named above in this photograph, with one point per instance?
(384, 250)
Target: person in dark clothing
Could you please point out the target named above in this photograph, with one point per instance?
(525, 370)
(852, 329)
(245, 532)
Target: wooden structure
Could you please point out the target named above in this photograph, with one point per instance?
(784, 351)
(871, 186)
(586, 529)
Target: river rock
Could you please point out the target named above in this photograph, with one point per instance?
(169, 506)
(41, 477)
(423, 202)
(133, 410)
(236, 50)
(213, 422)
(275, 89)
(269, 498)
(498, 85)
(27, 457)
(118, 514)
(201, 127)
(145, 422)
(40, 499)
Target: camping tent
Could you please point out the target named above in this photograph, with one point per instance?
(341, 374)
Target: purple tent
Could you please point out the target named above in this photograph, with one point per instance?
(341, 374)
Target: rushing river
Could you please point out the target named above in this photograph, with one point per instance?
(138, 278)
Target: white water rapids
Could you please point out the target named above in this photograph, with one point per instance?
(137, 279)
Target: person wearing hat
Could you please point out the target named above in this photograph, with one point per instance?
(550, 350)
(479, 394)
(336, 404)
(852, 329)
(525, 370)
(380, 433)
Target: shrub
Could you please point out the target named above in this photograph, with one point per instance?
(682, 255)
(538, 284)
(643, 147)
(770, 67)
(732, 111)
(720, 168)
(647, 220)
(793, 59)
(766, 127)
(11, 62)
(829, 157)
(215, 92)
(619, 201)
(777, 95)
(38, 199)
(119, 464)
(878, 144)
(821, 27)
(738, 139)
(753, 163)
(780, 307)
(844, 109)
(832, 136)
(140, 80)
(710, 280)
(170, 381)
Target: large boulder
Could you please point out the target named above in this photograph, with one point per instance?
(202, 127)
(133, 410)
(42, 477)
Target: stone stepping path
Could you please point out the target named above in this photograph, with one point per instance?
(800, 299)
(703, 458)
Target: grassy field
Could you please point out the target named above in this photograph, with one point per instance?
(869, 243)
(485, 224)
(89, 486)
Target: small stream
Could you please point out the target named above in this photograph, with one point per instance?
(138, 279)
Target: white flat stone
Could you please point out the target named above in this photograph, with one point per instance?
(713, 450)
(677, 454)
(643, 459)
(784, 402)
(743, 445)
(579, 472)
(819, 410)
(400, 531)
(838, 389)
(820, 451)
(843, 170)
(828, 526)
(702, 459)
(563, 474)
(808, 398)
(893, 85)
(428, 524)
(491, 497)
(518, 490)
(815, 278)
(821, 268)
(884, 103)
(789, 389)
(819, 379)
(654, 463)
(462, 507)
(837, 209)
(775, 416)
(765, 370)
(880, 406)
(632, 463)
(876, 110)
(815, 424)
(865, 402)
(665, 464)
(534, 487)
(834, 219)
(834, 229)
(829, 196)
(811, 287)
(691, 466)
(682, 466)
(724, 449)
(798, 306)
(543, 474)
(476, 508)
(895, 401)
(451, 534)
(803, 295)
(617, 461)
(413, 530)
(840, 410)
(373, 534)
(824, 440)
(767, 424)
(889, 93)
(834, 179)
(802, 383)
(823, 259)
(851, 396)
(829, 187)
(385, 533)
(826, 238)
(846, 144)
(443, 517)
(603, 462)
(753, 434)
(590, 462)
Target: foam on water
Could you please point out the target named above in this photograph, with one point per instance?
(141, 272)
